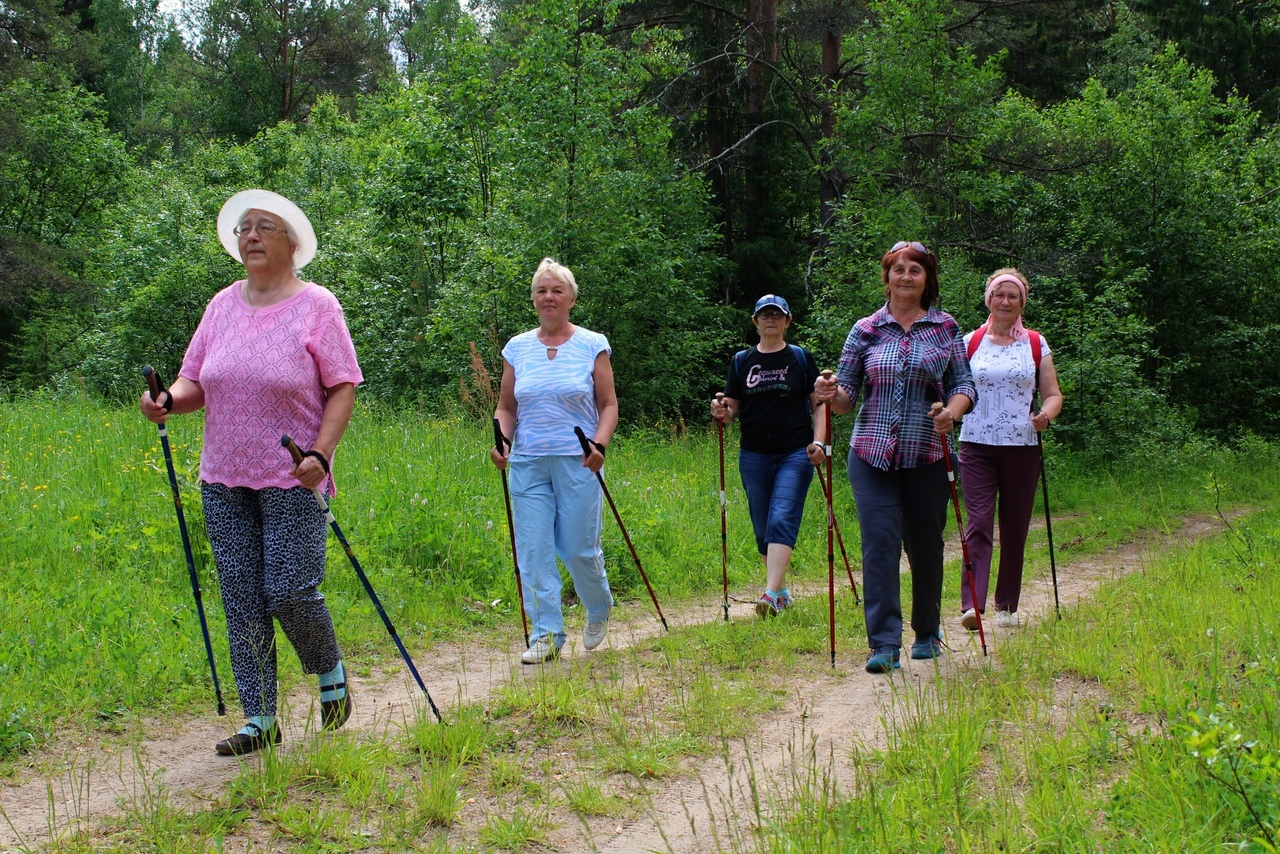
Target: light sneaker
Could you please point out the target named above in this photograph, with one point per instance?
(767, 605)
(970, 620)
(542, 649)
(1006, 620)
(783, 599)
(593, 634)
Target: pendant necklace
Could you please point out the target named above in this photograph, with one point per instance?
(253, 309)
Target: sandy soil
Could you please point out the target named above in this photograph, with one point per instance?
(709, 806)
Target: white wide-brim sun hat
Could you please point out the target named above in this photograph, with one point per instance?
(234, 209)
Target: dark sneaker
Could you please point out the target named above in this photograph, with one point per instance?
(334, 713)
(767, 605)
(784, 600)
(930, 647)
(883, 660)
(242, 743)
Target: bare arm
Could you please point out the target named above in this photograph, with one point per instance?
(1050, 395)
(607, 406)
(339, 403)
(186, 394)
(505, 413)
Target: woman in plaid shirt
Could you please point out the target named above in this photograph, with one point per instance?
(903, 358)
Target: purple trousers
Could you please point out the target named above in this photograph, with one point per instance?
(1003, 478)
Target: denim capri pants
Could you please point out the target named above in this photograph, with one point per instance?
(776, 487)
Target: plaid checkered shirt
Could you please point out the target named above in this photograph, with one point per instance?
(903, 373)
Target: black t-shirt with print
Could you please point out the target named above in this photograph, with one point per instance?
(774, 390)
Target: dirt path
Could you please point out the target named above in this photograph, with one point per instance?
(706, 808)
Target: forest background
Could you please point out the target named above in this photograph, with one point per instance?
(683, 157)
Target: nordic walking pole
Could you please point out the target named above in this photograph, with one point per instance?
(156, 386)
(831, 527)
(288, 443)
(848, 567)
(964, 542)
(1048, 525)
(586, 450)
(724, 525)
(498, 441)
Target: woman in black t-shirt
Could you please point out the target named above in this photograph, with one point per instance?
(771, 387)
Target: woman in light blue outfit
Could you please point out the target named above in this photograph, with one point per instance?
(556, 377)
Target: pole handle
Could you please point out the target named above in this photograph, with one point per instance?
(936, 408)
(827, 373)
(287, 442)
(154, 383)
(498, 439)
(720, 396)
(583, 440)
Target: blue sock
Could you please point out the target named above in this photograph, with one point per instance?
(333, 685)
(263, 722)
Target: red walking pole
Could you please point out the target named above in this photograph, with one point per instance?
(724, 525)
(831, 527)
(586, 450)
(848, 567)
(964, 542)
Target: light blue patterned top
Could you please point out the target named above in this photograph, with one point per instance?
(554, 395)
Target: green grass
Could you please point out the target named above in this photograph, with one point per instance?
(1078, 740)
(1083, 738)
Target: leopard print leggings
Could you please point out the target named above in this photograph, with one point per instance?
(268, 545)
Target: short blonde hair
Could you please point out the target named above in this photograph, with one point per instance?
(558, 271)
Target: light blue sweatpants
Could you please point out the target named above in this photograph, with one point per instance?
(557, 503)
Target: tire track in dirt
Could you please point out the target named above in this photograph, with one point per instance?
(707, 807)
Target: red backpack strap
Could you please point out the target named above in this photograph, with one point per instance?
(975, 341)
(1037, 346)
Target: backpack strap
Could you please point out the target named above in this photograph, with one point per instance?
(975, 341)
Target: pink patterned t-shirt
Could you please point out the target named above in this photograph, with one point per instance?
(264, 373)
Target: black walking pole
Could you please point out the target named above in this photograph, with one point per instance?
(724, 525)
(586, 450)
(1048, 526)
(156, 387)
(964, 541)
(288, 443)
(498, 440)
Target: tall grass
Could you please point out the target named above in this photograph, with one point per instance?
(96, 617)
(1146, 720)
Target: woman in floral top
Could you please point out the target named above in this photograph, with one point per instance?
(999, 451)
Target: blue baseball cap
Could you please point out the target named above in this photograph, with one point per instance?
(771, 300)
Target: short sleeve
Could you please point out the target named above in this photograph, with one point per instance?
(193, 361)
(332, 347)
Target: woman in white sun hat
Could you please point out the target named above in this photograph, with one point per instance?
(271, 355)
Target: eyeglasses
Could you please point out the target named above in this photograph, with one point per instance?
(914, 244)
(265, 228)
(771, 313)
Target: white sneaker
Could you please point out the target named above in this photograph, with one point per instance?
(1006, 620)
(970, 620)
(593, 634)
(542, 649)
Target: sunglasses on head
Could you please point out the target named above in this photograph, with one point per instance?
(913, 244)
